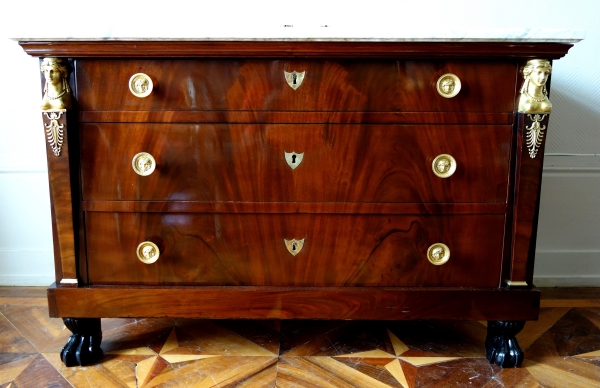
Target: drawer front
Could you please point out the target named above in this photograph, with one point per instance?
(260, 85)
(335, 163)
(338, 250)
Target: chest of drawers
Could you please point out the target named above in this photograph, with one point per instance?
(294, 180)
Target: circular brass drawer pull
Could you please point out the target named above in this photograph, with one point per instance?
(443, 165)
(148, 252)
(140, 85)
(438, 254)
(448, 85)
(143, 164)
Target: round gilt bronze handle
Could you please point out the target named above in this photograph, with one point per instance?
(141, 85)
(438, 254)
(448, 85)
(148, 252)
(443, 165)
(143, 164)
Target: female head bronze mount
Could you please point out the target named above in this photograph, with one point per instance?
(534, 96)
(443, 165)
(57, 94)
(448, 85)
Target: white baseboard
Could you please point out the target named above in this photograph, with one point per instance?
(26, 267)
(567, 268)
(26, 281)
(587, 281)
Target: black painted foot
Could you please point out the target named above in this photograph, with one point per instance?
(83, 347)
(501, 346)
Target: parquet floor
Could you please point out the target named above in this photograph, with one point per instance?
(563, 350)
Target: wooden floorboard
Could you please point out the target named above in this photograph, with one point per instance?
(562, 349)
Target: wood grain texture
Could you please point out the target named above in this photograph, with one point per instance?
(40, 373)
(255, 85)
(341, 163)
(369, 122)
(228, 249)
(293, 207)
(242, 117)
(510, 206)
(158, 350)
(526, 205)
(283, 49)
(59, 176)
(323, 372)
(288, 303)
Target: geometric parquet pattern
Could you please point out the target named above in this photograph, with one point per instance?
(562, 350)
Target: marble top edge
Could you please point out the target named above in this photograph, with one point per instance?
(425, 40)
(331, 34)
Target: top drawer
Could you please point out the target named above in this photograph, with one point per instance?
(260, 85)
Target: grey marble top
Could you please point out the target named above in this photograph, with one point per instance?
(332, 33)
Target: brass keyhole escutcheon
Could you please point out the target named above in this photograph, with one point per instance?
(293, 159)
(141, 85)
(438, 254)
(294, 79)
(444, 165)
(143, 164)
(148, 252)
(294, 246)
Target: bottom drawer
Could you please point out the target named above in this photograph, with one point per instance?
(331, 250)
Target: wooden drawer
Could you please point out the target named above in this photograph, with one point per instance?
(341, 163)
(339, 250)
(328, 85)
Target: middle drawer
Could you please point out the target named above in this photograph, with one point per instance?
(297, 163)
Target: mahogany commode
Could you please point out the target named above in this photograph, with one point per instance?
(294, 180)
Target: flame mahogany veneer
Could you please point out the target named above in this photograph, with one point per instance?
(222, 199)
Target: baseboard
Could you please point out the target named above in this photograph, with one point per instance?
(26, 267)
(587, 281)
(571, 164)
(567, 268)
(568, 247)
(25, 280)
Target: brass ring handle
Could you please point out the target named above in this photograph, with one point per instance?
(141, 85)
(294, 246)
(443, 165)
(143, 164)
(438, 254)
(448, 85)
(148, 252)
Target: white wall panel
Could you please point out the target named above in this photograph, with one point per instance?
(568, 244)
(569, 222)
(26, 254)
(23, 267)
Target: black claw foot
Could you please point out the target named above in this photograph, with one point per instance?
(501, 346)
(83, 347)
